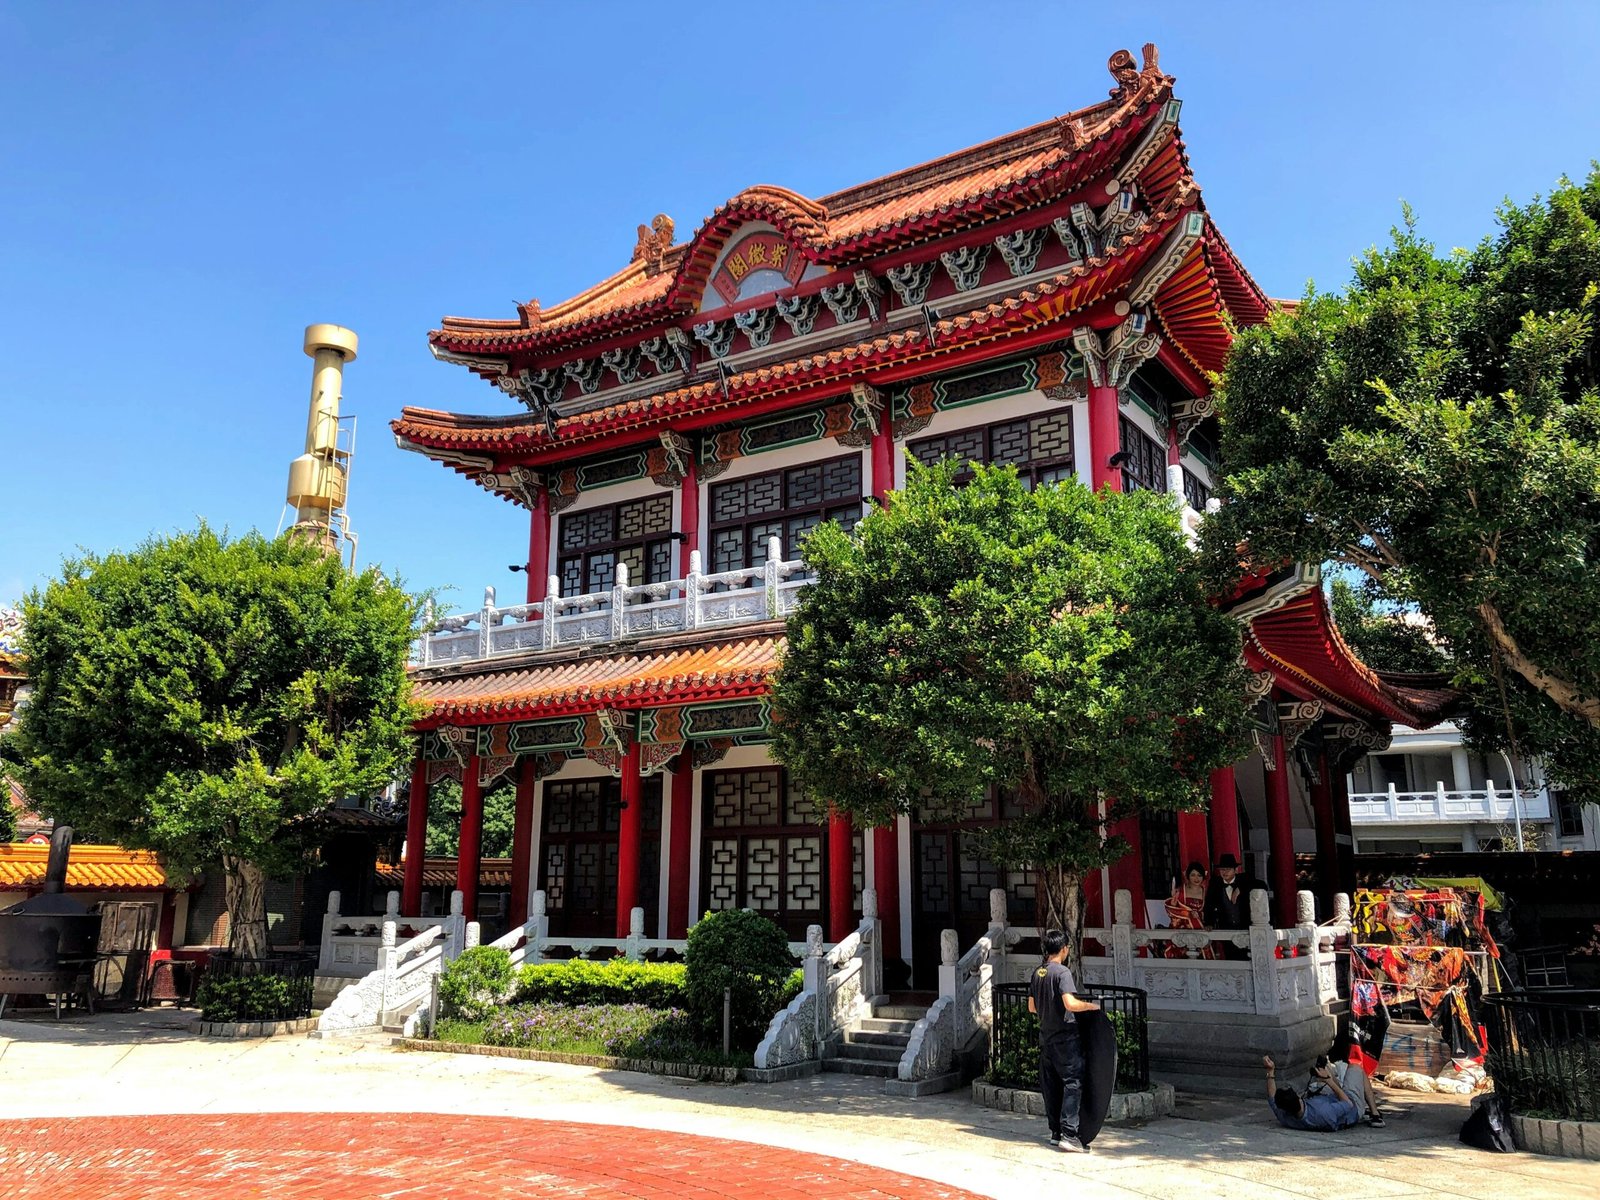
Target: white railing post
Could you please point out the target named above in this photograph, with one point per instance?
(770, 574)
(634, 949)
(552, 591)
(386, 956)
(1263, 953)
(474, 935)
(485, 622)
(538, 929)
(455, 927)
(691, 592)
(1438, 791)
(949, 955)
(1122, 937)
(427, 631)
(872, 958)
(1394, 804)
(999, 919)
(329, 919)
(618, 603)
(814, 978)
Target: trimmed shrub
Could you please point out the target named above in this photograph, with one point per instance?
(250, 998)
(746, 953)
(622, 1030)
(475, 984)
(577, 981)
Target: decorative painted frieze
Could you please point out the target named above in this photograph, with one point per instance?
(965, 266)
(910, 282)
(1020, 250)
(1058, 372)
(799, 312)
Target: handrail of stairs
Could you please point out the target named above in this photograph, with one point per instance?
(404, 974)
(966, 999)
(840, 984)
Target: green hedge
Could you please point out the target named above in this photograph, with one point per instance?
(746, 954)
(577, 981)
(251, 998)
(475, 985)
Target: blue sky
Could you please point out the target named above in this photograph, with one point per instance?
(184, 187)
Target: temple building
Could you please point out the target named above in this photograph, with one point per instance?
(1054, 300)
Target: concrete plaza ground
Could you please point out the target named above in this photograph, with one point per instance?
(149, 1065)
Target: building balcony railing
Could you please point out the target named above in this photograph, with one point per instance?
(1444, 807)
(622, 613)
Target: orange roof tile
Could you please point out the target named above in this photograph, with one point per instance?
(89, 868)
(738, 667)
(440, 871)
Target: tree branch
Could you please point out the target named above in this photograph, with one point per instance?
(1562, 691)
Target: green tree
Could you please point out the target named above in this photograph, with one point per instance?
(1437, 427)
(1382, 637)
(201, 696)
(444, 818)
(1055, 642)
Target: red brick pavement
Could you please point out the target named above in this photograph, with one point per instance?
(322, 1156)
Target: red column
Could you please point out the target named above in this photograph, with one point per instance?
(1327, 846)
(679, 833)
(1105, 438)
(839, 872)
(169, 920)
(416, 839)
(1224, 816)
(469, 849)
(886, 882)
(883, 461)
(522, 842)
(1280, 837)
(628, 832)
(689, 517)
(1128, 871)
(1194, 843)
(1096, 910)
(539, 547)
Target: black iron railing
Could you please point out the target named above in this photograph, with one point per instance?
(1014, 1042)
(1544, 1052)
(276, 988)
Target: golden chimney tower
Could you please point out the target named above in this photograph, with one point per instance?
(319, 478)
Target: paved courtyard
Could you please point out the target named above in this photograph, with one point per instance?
(296, 1117)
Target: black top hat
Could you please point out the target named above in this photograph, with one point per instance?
(1228, 860)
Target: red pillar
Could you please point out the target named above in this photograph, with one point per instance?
(839, 873)
(522, 841)
(678, 834)
(469, 849)
(1194, 842)
(1327, 842)
(416, 839)
(539, 547)
(883, 460)
(689, 516)
(1105, 438)
(886, 882)
(1224, 816)
(630, 825)
(1096, 911)
(1280, 837)
(1128, 871)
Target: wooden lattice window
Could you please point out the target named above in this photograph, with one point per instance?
(1146, 468)
(1039, 447)
(1195, 492)
(785, 504)
(635, 532)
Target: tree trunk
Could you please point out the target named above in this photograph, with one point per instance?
(1562, 691)
(246, 888)
(1061, 907)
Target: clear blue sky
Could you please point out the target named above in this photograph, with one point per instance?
(184, 187)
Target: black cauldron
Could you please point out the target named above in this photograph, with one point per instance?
(47, 941)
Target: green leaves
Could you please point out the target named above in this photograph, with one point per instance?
(1053, 643)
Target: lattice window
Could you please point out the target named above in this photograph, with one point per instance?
(1039, 447)
(555, 877)
(1158, 847)
(581, 821)
(723, 872)
(1146, 468)
(785, 504)
(634, 532)
(1196, 493)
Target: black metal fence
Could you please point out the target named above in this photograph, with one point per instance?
(276, 988)
(1544, 1052)
(1014, 1041)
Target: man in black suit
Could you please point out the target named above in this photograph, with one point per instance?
(1227, 902)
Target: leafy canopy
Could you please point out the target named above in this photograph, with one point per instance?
(1437, 427)
(1054, 643)
(200, 696)
(1382, 637)
(499, 818)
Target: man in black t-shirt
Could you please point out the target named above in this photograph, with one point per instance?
(1060, 1057)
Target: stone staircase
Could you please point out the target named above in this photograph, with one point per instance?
(875, 1044)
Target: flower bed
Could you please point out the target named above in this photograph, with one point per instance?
(631, 1031)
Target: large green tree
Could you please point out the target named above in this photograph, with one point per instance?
(1436, 426)
(499, 818)
(1383, 637)
(1057, 643)
(202, 695)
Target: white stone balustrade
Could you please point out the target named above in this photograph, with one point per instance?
(623, 612)
(1442, 806)
(966, 998)
(840, 983)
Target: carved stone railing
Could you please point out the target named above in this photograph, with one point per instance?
(349, 951)
(1443, 806)
(966, 998)
(623, 612)
(839, 988)
(404, 972)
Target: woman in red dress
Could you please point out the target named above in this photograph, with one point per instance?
(1184, 907)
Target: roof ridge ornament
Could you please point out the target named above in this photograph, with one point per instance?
(1134, 82)
(655, 239)
(528, 314)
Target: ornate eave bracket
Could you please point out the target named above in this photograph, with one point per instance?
(1349, 741)
(1111, 358)
(1295, 718)
(1189, 414)
(521, 484)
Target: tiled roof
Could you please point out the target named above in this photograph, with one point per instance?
(985, 182)
(738, 667)
(440, 871)
(89, 868)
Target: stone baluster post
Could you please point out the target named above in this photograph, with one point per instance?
(386, 956)
(634, 950)
(474, 935)
(455, 925)
(999, 922)
(814, 972)
(949, 955)
(547, 634)
(485, 622)
(1122, 938)
(1263, 953)
(329, 920)
(619, 604)
(427, 632)
(871, 951)
(770, 575)
(691, 592)
(538, 929)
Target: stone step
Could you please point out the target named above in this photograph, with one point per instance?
(861, 1066)
(885, 1025)
(901, 1012)
(866, 1037)
(867, 1050)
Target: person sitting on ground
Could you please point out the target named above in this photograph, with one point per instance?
(1327, 1106)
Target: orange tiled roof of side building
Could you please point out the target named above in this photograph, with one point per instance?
(89, 868)
(857, 222)
(725, 669)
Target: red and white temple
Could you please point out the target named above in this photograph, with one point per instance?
(1052, 299)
